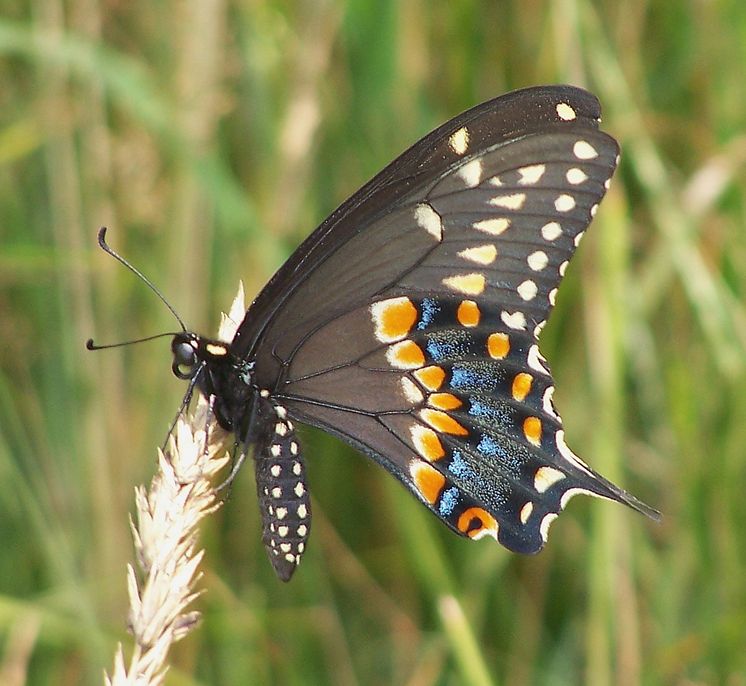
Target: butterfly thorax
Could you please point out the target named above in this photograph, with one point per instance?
(222, 377)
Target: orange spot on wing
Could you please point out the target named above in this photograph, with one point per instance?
(476, 523)
(443, 422)
(394, 318)
(427, 443)
(428, 480)
(406, 355)
(522, 385)
(532, 430)
(443, 401)
(498, 345)
(468, 313)
(430, 377)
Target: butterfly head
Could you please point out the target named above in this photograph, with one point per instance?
(192, 352)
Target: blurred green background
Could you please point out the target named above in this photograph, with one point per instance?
(211, 136)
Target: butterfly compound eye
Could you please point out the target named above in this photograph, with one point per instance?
(185, 359)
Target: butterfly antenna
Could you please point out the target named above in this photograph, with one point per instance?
(107, 249)
(90, 345)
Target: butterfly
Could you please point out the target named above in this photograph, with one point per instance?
(407, 324)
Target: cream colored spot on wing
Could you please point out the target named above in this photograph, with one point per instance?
(526, 511)
(565, 112)
(552, 296)
(551, 231)
(459, 141)
(537, 260)
(546, 477)
(576, 176)
(578, 238)
(564, 203)
(535, 360)
(514, 201)
(563, 267)
(514, 320)
(411, 391)
(494, 226)
(428, 219)
(527, 290)
(572, 492)
(547, 403)
(545, 524)
(481, 254)
(569, 455)
(469, 284)
(583, 150)
(471, 173)
(531, 175)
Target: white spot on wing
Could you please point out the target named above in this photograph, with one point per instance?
(576, 176)
(428, 219)
(564, 203)
(551, 231)
(583, 150)
(545, 524)
(526, 511)
(565, 112)
(494, 226)
(469, 284)
(527, 290)
(411, 391)
(552, 296)
(481, 254)
(547, 403)
(572, 492)
(537, 260)
(471, 173)
(514, 201)
(535, 360)
(459, 141)
(514, 320)
(546, 477)
(568, 454)
(531, 175)
(563, 268)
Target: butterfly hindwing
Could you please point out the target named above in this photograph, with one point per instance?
(413, 334)
(407, 324)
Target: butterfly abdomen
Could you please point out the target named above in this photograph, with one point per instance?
(284, 503)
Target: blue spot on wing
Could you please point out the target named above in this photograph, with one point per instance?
(477, 376)
(490, 447)
(458, 465)
(429, 308)
(448, 501)
(451, 344)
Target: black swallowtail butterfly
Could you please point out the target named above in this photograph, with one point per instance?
(407, 325)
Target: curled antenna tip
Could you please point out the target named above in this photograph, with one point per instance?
(89, 344)
(102, 236)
